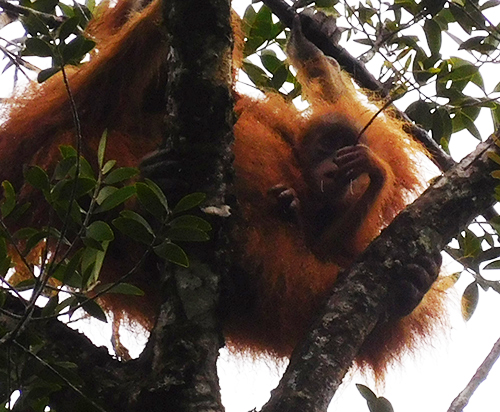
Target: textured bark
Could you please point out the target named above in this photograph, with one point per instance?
(318, 366)
(177, 371)
(181, 354)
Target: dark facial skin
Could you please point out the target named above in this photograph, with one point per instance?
(331, 159)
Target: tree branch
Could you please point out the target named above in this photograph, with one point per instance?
(17, 10)
(183, 347)
(463, 398)
(99, 371)
(358, 302)
(357, 70)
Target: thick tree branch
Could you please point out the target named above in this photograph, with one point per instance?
(177, 370)
(183, 347)
(99, 371)
(358, 302)
(356, 69)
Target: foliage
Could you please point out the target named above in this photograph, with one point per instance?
(64, 43)
(392, 32)
(443, 101)
(62, 260)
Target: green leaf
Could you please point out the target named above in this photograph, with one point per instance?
(66, 189)
(34, 240)
(83, 13)
(85, 169)
(472, 43)
(462, 72)
(68, 27)
(50, 308)
(470, 244)
(495, 114)
(46, 6)
(63, 207)
(68, 151)
(494, 156)
(37, 177)
(76, 49)
(34, 25)
(256, 74)
(433, 35)
(461, 17)
(270, 61)
(90, 5)
(3, 248)
(134, 229)
(27, 284)
(65, 168)
(66, 10)
(189, 202)
(100, 231)
(25, 233)
(279, 77)
(71, 276)
(442, 126)
(366, 392)
(93, 309)
(420, 113)
(38, 47)
(187, 234)
(493, 265)
(116, 198)
(191, 221)
(382, 405)
(120, 288)
(71, 302)
(173, 253)
(121, 174)
(108, 166)
(92, 243)
(102, 149)
(470, 299)
(9, 199)
(91, 263)
(150, 201)
(47, 74)
(105, 192)
(158, 192)
(5, 261)
(130, 214)
(248, 20)
(5, 265)
(490, 3)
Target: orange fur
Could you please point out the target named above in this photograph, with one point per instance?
(288, 280)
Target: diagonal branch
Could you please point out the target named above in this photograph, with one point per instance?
(357, 304)
(17, 10)
(356, 69)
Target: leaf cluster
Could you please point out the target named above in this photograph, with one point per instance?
(64, 44)
(63, 259)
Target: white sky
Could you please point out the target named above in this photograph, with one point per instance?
(429, 380)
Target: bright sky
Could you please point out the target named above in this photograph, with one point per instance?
(428, 380)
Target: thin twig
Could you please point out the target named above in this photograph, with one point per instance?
(463, 398)
(26, 11)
